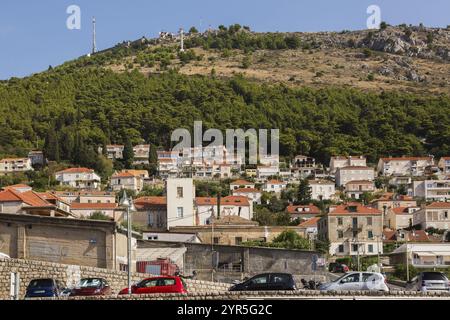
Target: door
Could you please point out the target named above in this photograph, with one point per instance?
(350, 282)
(147, 286)
(258, 283)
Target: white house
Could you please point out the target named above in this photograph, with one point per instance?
(180, 202)
(229, 206)
(80, 178)
(85, 210)
(435, 215)
(115, 151)
(239, 184)
(414, 166)
(353, 173)
(444, 165)
(129, 179)
(322, 189)
(344, 161)
(355, 189)
(427, 255)
(141, 154)
(15, 165)
(274, 186)
(400, 217)
(263, 172)
(252, 194)
(435, 190)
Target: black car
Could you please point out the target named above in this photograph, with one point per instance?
(267, 282)
(44, 288)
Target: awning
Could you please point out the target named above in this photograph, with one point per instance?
(425, 254)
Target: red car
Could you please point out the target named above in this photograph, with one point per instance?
(163, 284)
(92, 287)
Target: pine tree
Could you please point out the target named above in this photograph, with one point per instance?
(128, 154)
(51, 146)
(153, 160)
(304, 194)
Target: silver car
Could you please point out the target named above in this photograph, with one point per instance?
(429, 281)
(357, 281)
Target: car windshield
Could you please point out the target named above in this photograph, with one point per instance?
(42, 283)
(433, 276)
(90, 283)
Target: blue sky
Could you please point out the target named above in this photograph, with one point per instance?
(33, 34)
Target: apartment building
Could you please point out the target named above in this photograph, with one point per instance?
(404, 166)
(391, 200)
(206, 208)
(115, 151)
(355, 189)
(344, 161)
(15, 165)
(353, 173)
(303, 167)
(303, 212)
(80, 178)
(322, 190)
(400, 217)
(90, 196)
(352, 229)
(36, 157)
(435, 215)
(433, 190)
(264, 172)
(141, 154)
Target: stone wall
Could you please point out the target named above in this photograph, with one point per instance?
(70, 275)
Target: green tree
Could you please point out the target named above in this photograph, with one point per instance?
(128, 154)
(304, 194)
(193, 30)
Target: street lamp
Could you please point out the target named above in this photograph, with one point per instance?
(127, 203)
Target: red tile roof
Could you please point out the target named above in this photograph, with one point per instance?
(76, 170)
(17, 186)
(246, 190)
(443, 205)
(275, 182)
(30, 198)
(418, 236)
(150, 201)
(310, 223)
(241, 182)
(312, 209)
(360, 209)
(400, 210)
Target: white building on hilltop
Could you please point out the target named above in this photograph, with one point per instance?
(80, 178)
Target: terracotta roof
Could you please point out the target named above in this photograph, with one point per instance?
(246, 190)
(31, 198)
(390, 197)
(241, 182)
(444, 205)
(150, 201)
(312, 209)
(275, 182)
(310, 223)
(400, 210)
(17, 186)
(230, 200)
(418, 236)
(76, 170)
(94, 206)
(360, 209)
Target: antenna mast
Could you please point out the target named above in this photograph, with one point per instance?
(94, 36)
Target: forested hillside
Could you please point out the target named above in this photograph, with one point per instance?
(73, 110)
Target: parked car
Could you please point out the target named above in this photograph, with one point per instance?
(429, 281)
(92, 287)
(164, 284)
(357, 281)
(336, 267)
(45, 288)
(4, 256)
(267, 282)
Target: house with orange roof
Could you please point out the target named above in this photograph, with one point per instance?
(129, 179)
(303, 212)
(151, 213)
(252, 194)
(435, 215)
(352, 229)
(444, 165)
(21, 200)
(206, 207)
(356, 188)
(240, 184)
(404, 166)
(390, 200)
(274, 186)
(311, 227)
(15, 165)
(79, 178)
(400, 217)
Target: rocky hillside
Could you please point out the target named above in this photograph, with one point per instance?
(413, 58)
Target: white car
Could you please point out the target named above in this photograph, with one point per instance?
(4, 256)
(357, 281)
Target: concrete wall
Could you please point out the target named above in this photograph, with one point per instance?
(70, 275)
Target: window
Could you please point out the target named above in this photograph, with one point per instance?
(340, 222)
(445, 214)
(238, 240)
(370, 234)
(370, 248)
(369, 221)
(166, 282)
(180, 192)
(260, 280)
(351, 278)
(180, 212)
(355, 234)
(355, 223)
(216, 240)
(355, 247)
(340, 234)
(149, 283)
(341, 248)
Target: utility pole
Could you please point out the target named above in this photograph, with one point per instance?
(182, 39)
(94, 36)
